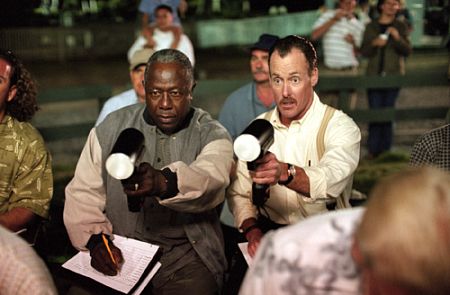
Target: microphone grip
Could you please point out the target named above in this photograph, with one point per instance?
(260, 194)
(134, 203)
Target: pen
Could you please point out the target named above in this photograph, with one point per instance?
(105, 240)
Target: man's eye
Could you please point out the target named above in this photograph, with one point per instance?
(175, 93)
(155, 93)
(295, 80)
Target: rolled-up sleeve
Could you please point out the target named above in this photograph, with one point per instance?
(86, 197)
(342, 149)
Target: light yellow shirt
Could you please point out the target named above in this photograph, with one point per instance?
(297, 145)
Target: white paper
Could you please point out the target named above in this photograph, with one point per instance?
(244, 249)
(137, 256)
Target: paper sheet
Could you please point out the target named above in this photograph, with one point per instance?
(137, 256)
(244, 249)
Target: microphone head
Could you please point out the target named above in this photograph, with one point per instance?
(119, 166)
(247, 147)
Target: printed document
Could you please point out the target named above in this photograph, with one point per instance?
(137, 257)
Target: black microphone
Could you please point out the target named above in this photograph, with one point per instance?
(121, 161)
(251, 145)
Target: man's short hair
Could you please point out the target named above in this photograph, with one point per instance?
(284, 46)
(171, 56)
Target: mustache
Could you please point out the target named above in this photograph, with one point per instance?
(287, 100)
(258, 71)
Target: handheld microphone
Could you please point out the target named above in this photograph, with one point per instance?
(121, 161)
(251, 145)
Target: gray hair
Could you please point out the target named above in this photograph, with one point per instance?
(171, 56)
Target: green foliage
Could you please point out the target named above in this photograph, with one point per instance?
(370, 171)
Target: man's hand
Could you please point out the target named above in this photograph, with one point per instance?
(101, 259)
(254, 239)
(145, 181)
(268, 170)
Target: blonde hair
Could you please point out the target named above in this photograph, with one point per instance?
(404, 236)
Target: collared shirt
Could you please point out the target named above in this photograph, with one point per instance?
(22, 271)
(240, 108)
(338, 53)
(311, 257)
(297, 145)
(26, 179)
(116, 102)
(433, 148)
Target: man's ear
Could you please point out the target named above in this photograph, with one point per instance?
(314, 77)
(11, 93)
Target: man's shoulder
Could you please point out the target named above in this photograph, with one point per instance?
(25, 132)
(124, 98)
(436, 135)
(208, 125)
(241, 94)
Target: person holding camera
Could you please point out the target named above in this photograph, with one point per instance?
(181, 176)
(302, 178)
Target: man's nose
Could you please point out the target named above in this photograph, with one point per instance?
(166, 101)
(286, 90)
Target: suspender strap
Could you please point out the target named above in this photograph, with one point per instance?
(320, 140)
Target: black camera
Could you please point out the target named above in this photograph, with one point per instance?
(251, 145)
(122, 159)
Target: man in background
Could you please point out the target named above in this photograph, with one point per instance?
(131, 96)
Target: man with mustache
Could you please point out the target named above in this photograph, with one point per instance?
(180, 179)
(302, 179)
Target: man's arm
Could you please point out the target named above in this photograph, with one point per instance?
(320, 30)
(17, 218)
(32, 188)
(86, 197)
(202, 184)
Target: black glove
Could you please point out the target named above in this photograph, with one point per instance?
(101, 258)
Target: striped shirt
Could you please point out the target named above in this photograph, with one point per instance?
(338, 53)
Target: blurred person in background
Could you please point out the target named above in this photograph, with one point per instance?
(163, 35)
(386, 45)
(138, 63)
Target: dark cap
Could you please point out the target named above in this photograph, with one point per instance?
(265, 42)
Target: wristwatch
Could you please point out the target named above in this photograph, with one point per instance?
(291, 173)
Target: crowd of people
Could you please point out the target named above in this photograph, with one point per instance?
(197, 201)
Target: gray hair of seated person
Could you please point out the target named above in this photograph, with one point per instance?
(171, 56)
(404, 236)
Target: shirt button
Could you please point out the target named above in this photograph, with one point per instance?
(194, 241)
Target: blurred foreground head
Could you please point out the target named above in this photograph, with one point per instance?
(403, 242)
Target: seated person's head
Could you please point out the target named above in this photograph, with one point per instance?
(169, 83)
(403, 242)
(18, 93)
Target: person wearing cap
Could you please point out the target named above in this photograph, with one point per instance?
(131, 96)
(315, 151)
(241, 107)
